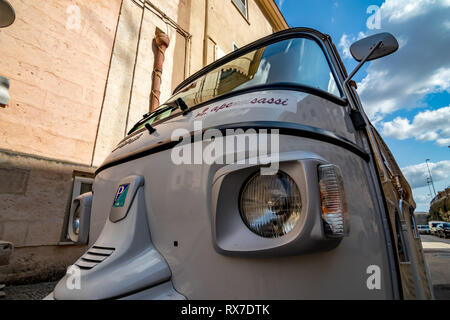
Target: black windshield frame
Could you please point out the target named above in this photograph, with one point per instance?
(307, 33)
(311, 34)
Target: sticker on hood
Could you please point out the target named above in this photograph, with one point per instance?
(285, 101)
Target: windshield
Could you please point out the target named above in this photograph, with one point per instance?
(298, 61)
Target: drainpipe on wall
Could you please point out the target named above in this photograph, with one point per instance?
(162, 41)
(205, 35)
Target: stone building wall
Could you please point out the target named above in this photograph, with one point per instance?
(130, 76)
(81, 76)
(190, 26)
(57, 77)
(440, 206)
(57, 74)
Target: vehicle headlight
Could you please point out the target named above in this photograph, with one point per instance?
(270, 205)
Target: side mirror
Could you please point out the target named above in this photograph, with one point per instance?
(80, 218)
(371, 48)
(361, 48)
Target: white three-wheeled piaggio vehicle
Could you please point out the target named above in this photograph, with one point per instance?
(261, 178)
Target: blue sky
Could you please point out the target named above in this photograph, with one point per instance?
(407, 94)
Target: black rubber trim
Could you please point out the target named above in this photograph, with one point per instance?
(84, 268)
(91, 260)
(99, 254)
(104, 248)
(313, 34)
(285, 128)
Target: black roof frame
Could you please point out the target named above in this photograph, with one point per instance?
(313, 34)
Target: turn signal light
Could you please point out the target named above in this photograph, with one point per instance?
(333, 201)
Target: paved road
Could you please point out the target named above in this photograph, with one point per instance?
(433, 242)
(37, 291)
(437, 254)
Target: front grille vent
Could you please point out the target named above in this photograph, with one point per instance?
(93, 257)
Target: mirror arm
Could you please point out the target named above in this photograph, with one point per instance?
(346, 81)
(363, 61)
(357, 118)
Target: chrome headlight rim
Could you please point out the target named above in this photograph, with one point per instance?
(287, 226)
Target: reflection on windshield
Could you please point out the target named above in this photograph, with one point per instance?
(298, 61)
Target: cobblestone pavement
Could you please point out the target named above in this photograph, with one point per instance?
(36, 291)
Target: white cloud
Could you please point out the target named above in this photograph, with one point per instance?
(420, 67)
(417, 174)
(422, 197)
(344, 45)
(426, 126)
(280, 3)
(417, 178)
(402, 10)
(346, 41)
(447, 24)
(443, 141)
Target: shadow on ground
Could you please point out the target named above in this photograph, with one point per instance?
(37, 291)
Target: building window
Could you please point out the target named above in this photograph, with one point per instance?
(242, 6)
(219, 53)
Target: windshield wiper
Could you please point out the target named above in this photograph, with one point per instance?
(178, 103)
(146, 116)
(183, 106)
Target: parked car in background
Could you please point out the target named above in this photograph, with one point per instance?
(423, 229)
(432, 225)
(443, 230)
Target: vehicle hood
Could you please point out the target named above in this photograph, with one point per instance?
(269, 105)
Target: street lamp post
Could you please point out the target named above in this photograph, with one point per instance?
(431, 177)
(429, 188)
